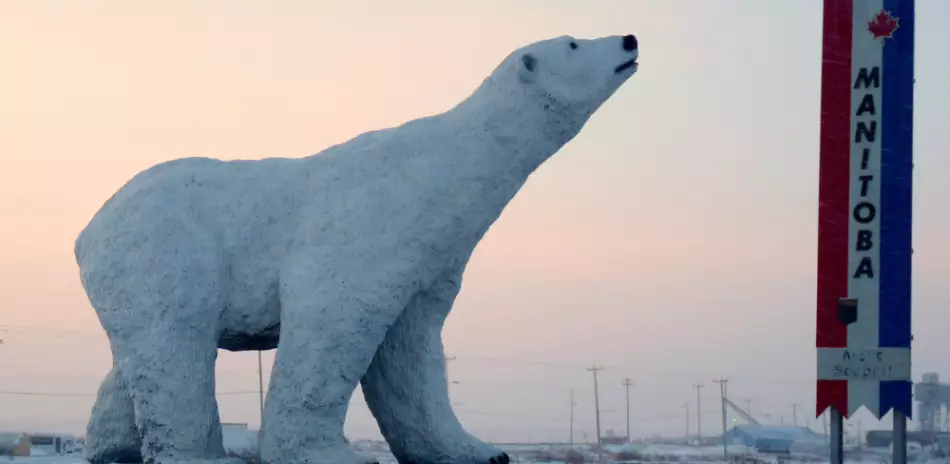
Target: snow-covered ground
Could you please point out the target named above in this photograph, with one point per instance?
(46, 460)
(545, 454)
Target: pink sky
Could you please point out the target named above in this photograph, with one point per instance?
(673, 240)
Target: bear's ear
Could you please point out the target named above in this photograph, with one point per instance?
(526, 68)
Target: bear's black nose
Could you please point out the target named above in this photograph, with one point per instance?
(629, 43)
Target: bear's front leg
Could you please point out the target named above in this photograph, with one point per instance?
(332, 322)
(405, 387)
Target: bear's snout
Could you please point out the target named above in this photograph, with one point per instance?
(629, 42)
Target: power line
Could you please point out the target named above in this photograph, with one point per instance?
(361, 403)
(560, 419)
(25, 393)
(42, 330)
(33, 331)
(572, 366)
(74, 394)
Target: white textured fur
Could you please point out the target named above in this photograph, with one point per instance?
(347, 262)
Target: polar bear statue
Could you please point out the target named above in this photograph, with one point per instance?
(347, 262)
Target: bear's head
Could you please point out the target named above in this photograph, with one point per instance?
(568, 74)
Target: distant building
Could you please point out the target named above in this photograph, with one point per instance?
(613, 440)
(238, 438)
(14, 444)
(53, 443)
(776, 439)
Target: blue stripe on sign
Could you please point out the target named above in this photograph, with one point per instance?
(897, 177)
(896, 394)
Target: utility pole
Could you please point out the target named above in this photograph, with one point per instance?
(795, 414)
(260, 384)
(686, 405)
(595, 370)
(722, 392)
(627, 382)
(572, 420)
(699, 413)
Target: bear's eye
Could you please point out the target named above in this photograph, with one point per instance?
(573, 45)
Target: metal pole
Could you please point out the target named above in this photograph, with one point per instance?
(260, 384)
(627, 387)
(594, 370)
(699, 415)
(837, 437)
(722, 392)
(900, 437)
(572, 420)
(627, 382)
(725, 442)
(687, 422)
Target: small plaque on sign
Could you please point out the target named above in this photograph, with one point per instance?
(874, 364)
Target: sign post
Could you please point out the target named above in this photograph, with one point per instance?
(900, 438)
(864, 214)
(837, 437)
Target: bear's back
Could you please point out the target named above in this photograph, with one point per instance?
(241, 202)
(221, 196)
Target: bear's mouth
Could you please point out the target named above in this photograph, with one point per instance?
(625, 66)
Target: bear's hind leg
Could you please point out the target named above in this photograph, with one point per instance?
(160, 307)
(405, 387)
(111, 436)
(170, 369)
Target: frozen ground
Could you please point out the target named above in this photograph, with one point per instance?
(556, 454)
(544, 454)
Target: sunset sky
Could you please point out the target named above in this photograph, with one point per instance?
(673, 241)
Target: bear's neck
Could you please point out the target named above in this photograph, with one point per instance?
(515, 127)
(499, 136)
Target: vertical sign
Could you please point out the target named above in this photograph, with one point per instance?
(864, 207)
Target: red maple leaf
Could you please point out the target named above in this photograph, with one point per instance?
(883, 25)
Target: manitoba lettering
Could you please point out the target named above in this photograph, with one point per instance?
(865, 210)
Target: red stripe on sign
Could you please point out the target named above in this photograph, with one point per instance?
(832, 393)
(834, 179)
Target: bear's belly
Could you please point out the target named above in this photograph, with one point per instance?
(251, 320)
(266, 339)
